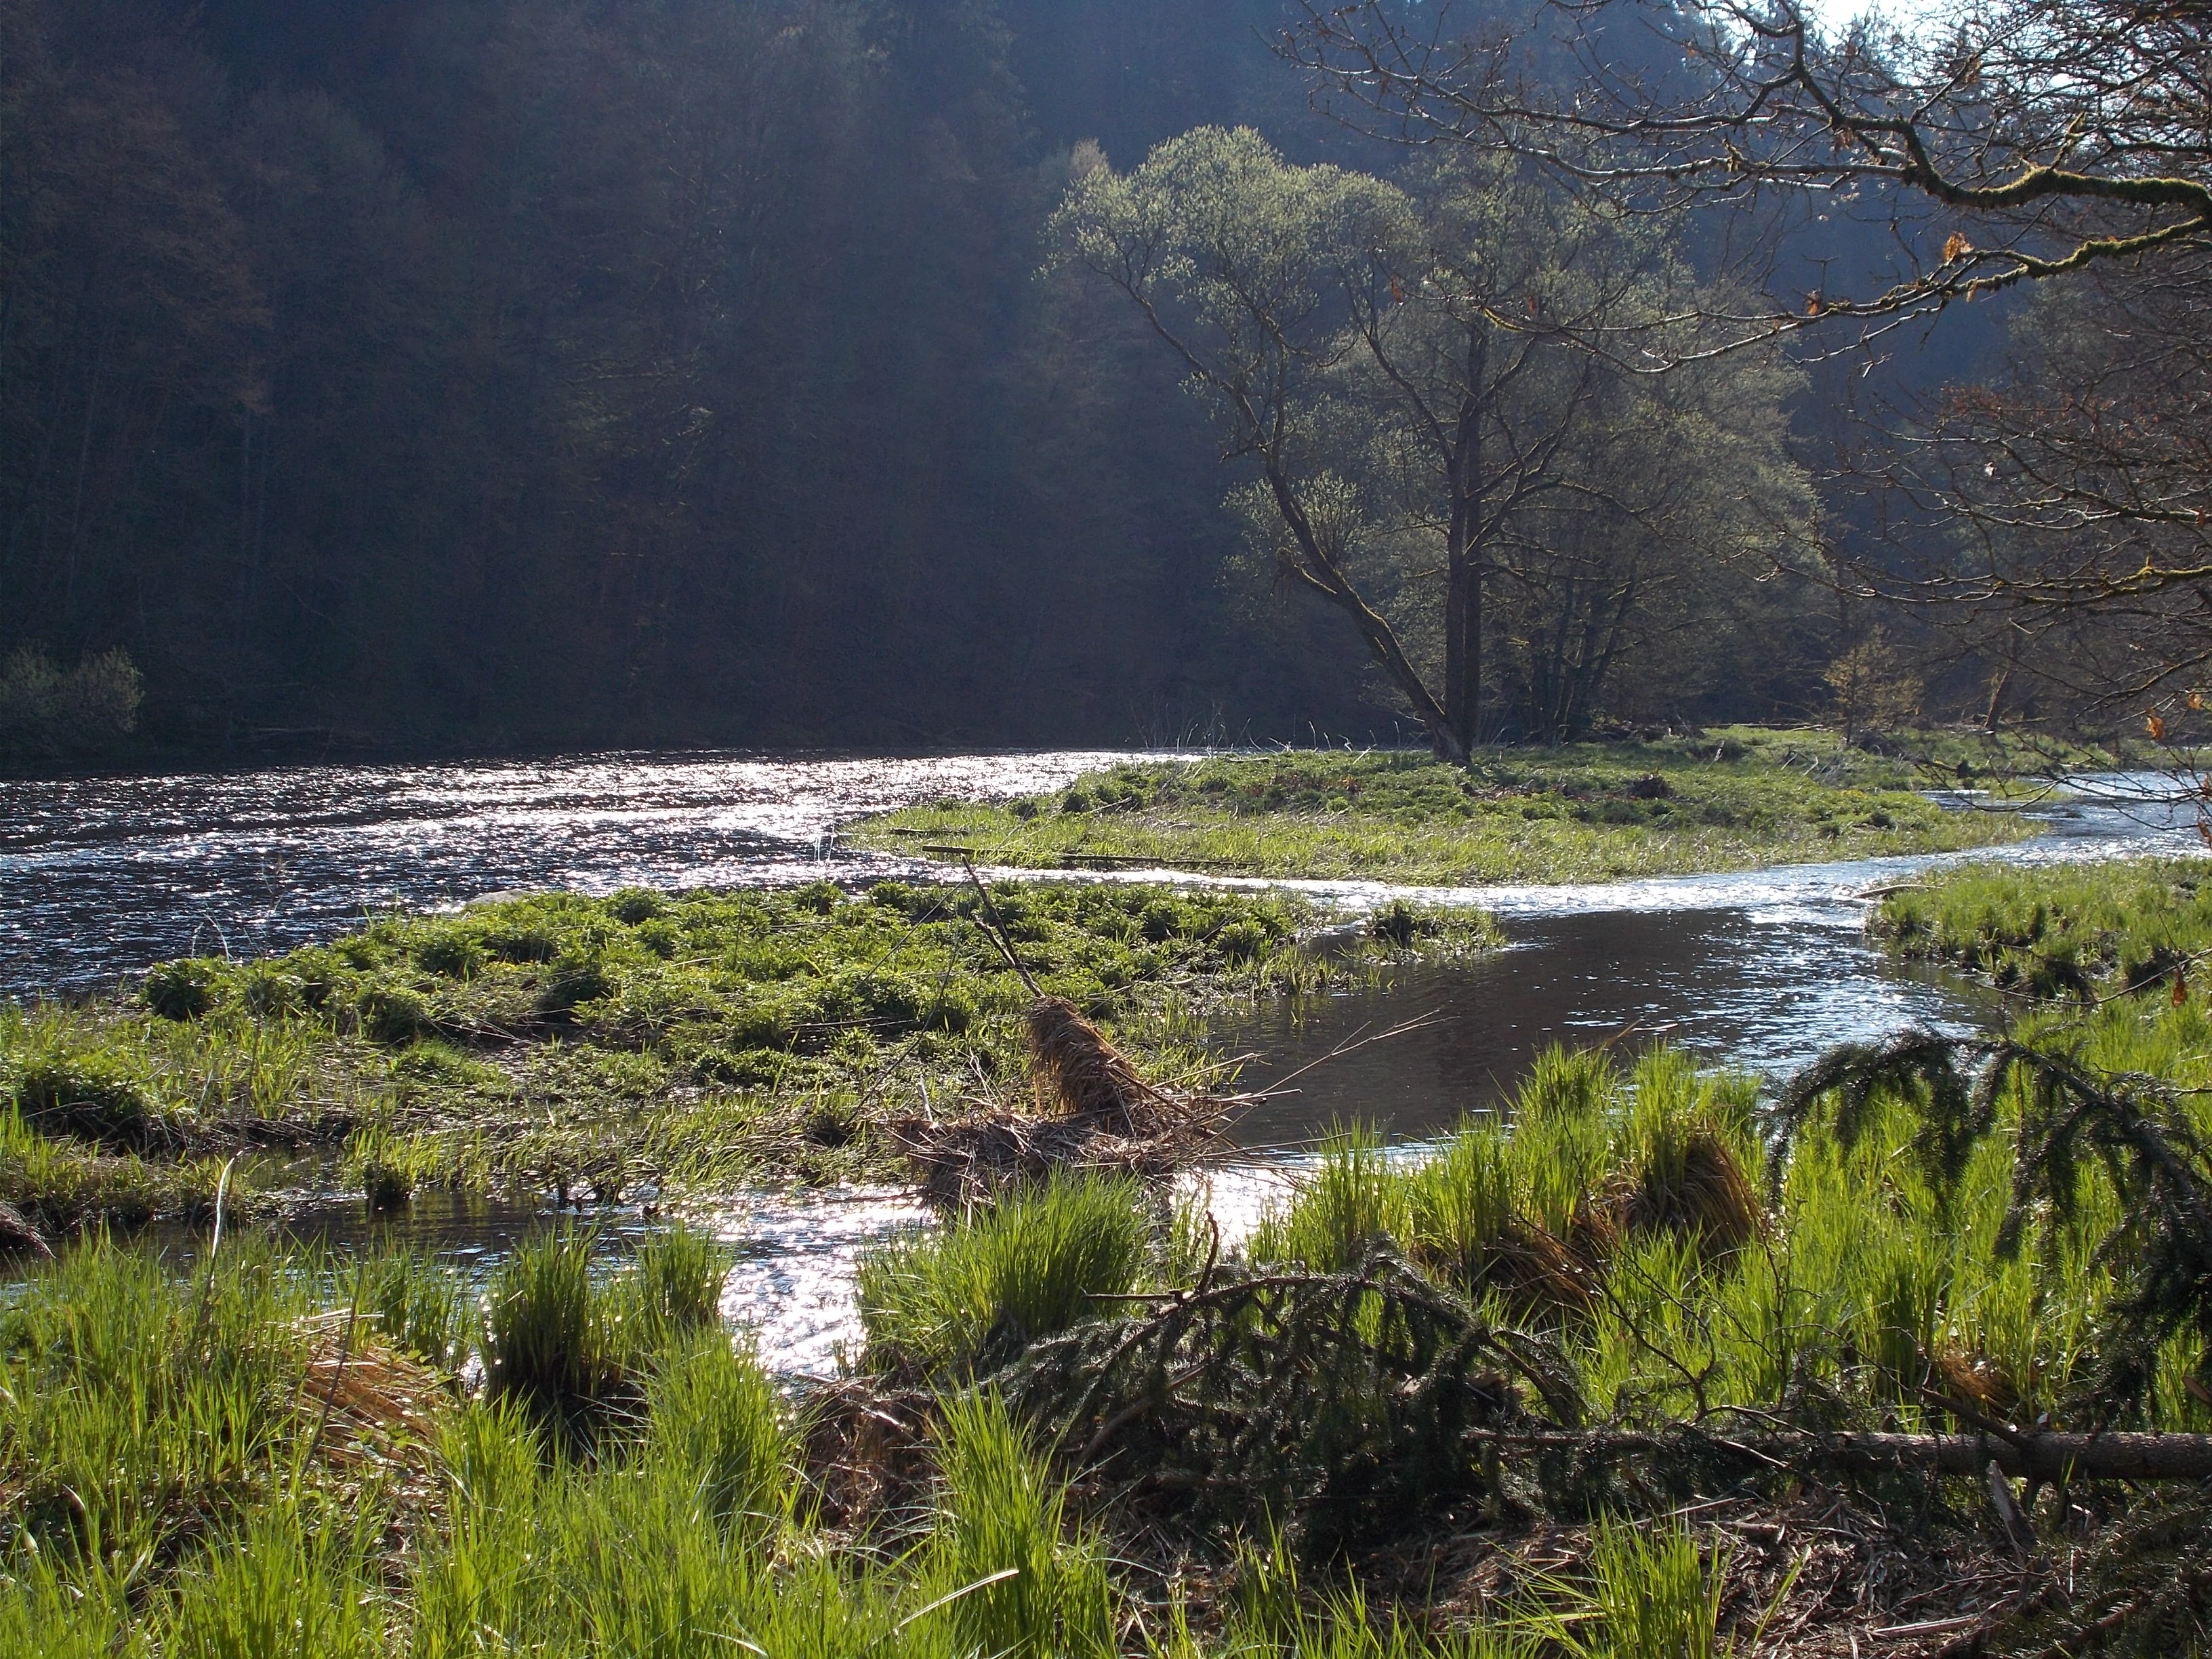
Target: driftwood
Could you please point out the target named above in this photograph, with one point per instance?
(1090, 1112)
(19, 1238)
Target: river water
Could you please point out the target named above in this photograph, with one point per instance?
(100, 877)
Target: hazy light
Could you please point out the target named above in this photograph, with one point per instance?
(1835, 15)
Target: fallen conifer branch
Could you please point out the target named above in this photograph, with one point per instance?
(2048, 1456)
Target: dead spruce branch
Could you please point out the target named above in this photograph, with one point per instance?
(2132, 1126)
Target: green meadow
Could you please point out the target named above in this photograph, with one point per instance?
(1735, 799)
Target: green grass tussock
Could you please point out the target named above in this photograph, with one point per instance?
(1625, 1211)
(1586, 812)
(1524, 1204)
(949, 1302)
(562, 1341)
(138, 1412)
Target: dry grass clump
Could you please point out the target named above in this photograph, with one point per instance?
(371, 1405)
(1092, 1113)
(1684, 1159)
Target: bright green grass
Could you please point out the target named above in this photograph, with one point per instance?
(2078, 932)
(1587, 813)
(947, 1301)
(1863, 1282)
(1590, 1208)
(585, 1047)
(2109, 964)
(168, 1486)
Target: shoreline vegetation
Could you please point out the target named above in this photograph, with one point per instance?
(586, 1049)
(1652, 1365)
(1735, 797)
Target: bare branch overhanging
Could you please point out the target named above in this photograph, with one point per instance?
(2067, 135)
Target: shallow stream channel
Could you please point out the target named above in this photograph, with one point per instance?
(1759, 970)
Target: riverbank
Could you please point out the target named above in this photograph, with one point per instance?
(592, 1049)
(1642, 1363)
(2113, 961)
(1732, 800)
(1611, 1374)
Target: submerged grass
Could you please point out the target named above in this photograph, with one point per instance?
(1586, 812)
(586, 1047)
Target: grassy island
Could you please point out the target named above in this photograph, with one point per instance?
(1735, 800)
(586, 1047)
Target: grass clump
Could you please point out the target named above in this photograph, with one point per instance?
(563, 1342)
(1524, 1205)
(1010, 1576)
(138, 1412)
(1651, 1593)
(1626, 1211)
(1585, 812)
(952, 1302)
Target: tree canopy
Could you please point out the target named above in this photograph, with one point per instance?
(1395, 357)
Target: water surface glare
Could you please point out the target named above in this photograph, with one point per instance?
(103, 877)
(1761, 970)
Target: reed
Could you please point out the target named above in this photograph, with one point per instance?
(301, 1579)
(716, 1424)
(946, 1304)
(419, 1307)
(1352, 1201)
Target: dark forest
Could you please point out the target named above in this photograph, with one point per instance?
(508, 374)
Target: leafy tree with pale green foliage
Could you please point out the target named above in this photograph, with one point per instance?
(1434, 458)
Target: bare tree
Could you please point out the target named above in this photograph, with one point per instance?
(2059, 145)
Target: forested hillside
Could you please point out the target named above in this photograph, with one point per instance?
(502, 373)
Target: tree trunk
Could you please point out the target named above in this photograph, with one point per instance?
(1322, 572)
(1463, 597)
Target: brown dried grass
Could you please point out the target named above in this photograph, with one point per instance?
(371, 1404)
(1091, 1114)
(1077, 1073)
(1700, 1191)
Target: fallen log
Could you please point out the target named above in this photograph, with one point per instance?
(2050, 1456)
(2046, 1456)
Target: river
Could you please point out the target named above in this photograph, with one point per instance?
(100, 877)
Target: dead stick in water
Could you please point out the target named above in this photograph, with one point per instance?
(1358, 1040)
(994, 929)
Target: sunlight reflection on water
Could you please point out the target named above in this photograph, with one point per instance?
(99, 878)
